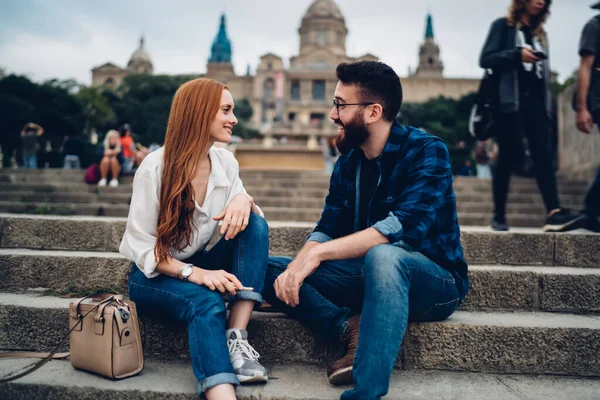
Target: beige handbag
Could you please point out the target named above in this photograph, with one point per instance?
(104, 339)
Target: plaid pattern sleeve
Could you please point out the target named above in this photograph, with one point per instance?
(416, 209)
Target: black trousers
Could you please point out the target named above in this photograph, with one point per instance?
(531, 123)
(592, 200)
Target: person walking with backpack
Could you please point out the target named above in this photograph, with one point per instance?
(516, 50)
(587, 103)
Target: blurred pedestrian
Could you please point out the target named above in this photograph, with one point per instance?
(588, 109)
(111, 158)
(73, 151)
(516, 49)
(29, 144)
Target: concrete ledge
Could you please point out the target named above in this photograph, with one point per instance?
(175, 381)
(490, 342)
(481, 245)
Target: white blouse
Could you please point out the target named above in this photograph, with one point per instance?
(139, 239)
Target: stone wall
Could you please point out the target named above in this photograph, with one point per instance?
(579, 154)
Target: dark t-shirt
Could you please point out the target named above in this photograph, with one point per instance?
(589, 44)
(530, 81)
(29, 143)
(369, 176)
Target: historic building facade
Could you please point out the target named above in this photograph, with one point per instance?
(294, 101)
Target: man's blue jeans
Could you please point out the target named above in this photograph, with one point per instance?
(202, 309)
(392, 286)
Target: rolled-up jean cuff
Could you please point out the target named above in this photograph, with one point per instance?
(246, 295)
(218, 379)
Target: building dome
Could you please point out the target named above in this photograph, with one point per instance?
(323, 27)
(323, 9)
(140, 61)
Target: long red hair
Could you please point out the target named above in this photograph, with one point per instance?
(194, 108)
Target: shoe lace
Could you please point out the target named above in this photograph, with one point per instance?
(242, 346)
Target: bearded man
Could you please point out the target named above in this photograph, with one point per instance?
(387, 249)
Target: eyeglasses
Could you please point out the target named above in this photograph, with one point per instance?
(338, 105)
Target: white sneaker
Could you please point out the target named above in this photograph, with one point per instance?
(244, 358)
(102, 182)
(113, 183)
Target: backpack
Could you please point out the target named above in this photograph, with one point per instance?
(92, 174)
(482, 119)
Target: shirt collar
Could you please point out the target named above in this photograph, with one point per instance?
(396, 139)
(218, 176)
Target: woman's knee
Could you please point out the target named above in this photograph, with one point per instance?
(205, 303)
(258, 226)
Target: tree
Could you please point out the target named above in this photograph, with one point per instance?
(243, 110)
(442, 116)
(96, 108)
(49, 105)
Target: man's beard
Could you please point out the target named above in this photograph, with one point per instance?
(355, 134)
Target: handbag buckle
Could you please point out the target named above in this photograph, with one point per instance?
(124, 314)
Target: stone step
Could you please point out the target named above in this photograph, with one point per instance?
(492, 287)
(289, 381)
(465, 203)
(265, 173)
(278, 198)
(75, 187)
(460, 185)
(291, 214)
(480, 245)
(520, 342)
(124, 191)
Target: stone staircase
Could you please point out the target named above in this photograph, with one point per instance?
(283, 195)
(529, 329)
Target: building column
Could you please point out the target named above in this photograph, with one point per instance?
(268, 141)
(312, 143)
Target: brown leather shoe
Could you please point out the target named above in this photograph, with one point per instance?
(340, 371)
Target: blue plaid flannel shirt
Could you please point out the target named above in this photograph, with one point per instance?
(414, 204)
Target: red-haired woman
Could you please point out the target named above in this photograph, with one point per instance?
(180, 193)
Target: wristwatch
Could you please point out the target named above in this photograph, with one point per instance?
(185, 271)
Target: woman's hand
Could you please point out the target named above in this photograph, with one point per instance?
(235, 216)
(219, 280)
(527, 56)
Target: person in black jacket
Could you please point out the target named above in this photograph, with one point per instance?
(516, 50)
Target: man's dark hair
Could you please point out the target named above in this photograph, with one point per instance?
(377, 83)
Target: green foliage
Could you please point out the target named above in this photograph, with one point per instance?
(443, 117)
(96, 108)
(243, 110)
(51, 105)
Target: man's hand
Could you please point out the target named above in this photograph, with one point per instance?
(235, 216)
(585, 122)
(287, 286)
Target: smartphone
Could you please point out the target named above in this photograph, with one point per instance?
(540, 54)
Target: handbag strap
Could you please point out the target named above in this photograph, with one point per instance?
(54, 353)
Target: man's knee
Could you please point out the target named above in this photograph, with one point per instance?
(386, 262)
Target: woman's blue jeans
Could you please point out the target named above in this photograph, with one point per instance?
(202, 309)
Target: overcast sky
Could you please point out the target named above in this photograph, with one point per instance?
(66, 38)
